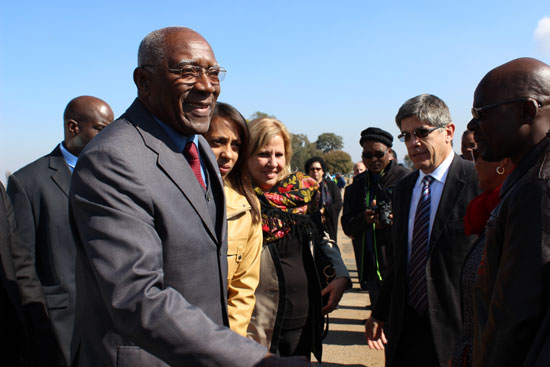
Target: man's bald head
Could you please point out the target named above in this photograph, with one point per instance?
(511, 109)
(83, 118)
(523, 77)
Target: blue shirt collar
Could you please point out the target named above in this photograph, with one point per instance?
(70, 158)
(178, 138)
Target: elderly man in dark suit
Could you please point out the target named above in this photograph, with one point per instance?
(419, 303)
(511, 118)
(40, 196)
(148, 207)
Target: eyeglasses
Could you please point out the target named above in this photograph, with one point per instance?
(477, 112)
(315, 169)
(191, 73)
(369, 155)
(420, 133)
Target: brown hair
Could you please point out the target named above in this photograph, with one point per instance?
(239, 178)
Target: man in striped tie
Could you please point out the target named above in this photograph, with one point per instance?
(418, 307)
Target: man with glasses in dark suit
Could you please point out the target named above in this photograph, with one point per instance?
(149, 211)
(419, 303)
(367, 204)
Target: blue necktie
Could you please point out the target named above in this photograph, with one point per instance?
(419, 250)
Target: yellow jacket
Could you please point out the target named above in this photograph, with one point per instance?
(243, 259)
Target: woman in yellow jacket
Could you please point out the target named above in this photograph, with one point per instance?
(228, 137)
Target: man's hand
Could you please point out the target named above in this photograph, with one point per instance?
(370, 215)
(335, 290)
(273, 361)
(374, 331)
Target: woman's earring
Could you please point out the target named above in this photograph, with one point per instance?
(500, 170)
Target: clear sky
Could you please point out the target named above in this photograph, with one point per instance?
(319, 66)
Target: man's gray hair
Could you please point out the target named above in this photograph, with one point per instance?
(151, 50)
(427, 108)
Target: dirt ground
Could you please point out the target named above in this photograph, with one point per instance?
(345, 343)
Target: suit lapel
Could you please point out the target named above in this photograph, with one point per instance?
(216, 184)
(60, 172)
(171, 162)
(454, 185)
(404, 201)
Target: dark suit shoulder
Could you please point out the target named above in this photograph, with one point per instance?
(30, 170)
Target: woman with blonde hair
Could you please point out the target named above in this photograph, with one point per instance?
(228, 137)
(288, 313)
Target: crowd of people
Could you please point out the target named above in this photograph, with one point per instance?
(179, 236)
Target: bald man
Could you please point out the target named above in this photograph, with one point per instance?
(39, 193)
(511, 118)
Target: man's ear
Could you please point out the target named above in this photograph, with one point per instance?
(73, 128)
(142, 80)
(529, 111)
(450, 131)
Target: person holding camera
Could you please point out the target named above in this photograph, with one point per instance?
(367, 207)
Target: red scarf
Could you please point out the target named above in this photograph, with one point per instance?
(479, 209)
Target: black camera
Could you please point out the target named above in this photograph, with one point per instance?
(383, 210)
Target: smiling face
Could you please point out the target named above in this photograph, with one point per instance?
(223, 137)
(376, 156)
(427, 153)
(186, 107)
(266, 165)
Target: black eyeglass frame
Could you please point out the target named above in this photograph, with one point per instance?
(476, 111)
(419, 133)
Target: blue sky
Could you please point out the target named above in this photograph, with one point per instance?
(318, 66)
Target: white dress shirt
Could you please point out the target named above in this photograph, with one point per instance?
(436, 189)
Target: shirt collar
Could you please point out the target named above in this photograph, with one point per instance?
(70, 158)
(440, 173)
(178, 138)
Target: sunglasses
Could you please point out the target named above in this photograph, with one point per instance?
(315, 169)
(370, 155)
(420, 133)
(478, 112)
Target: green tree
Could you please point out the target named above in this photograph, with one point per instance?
(302, 150)
(329, 141)
(260, 114)
(338, 161)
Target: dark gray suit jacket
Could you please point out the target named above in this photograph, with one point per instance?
(152, 258)
(448, 249)
(40, 197)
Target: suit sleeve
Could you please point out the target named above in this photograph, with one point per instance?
(521, 288)
(21, 219)
(353, 218)
(114, 215)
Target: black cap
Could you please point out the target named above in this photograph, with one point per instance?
(376, 134)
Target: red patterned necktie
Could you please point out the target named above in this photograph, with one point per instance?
(192, 155)
(418, 297)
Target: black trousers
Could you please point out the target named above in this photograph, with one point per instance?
(416, 346)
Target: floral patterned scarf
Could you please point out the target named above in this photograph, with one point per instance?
(296, 194)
